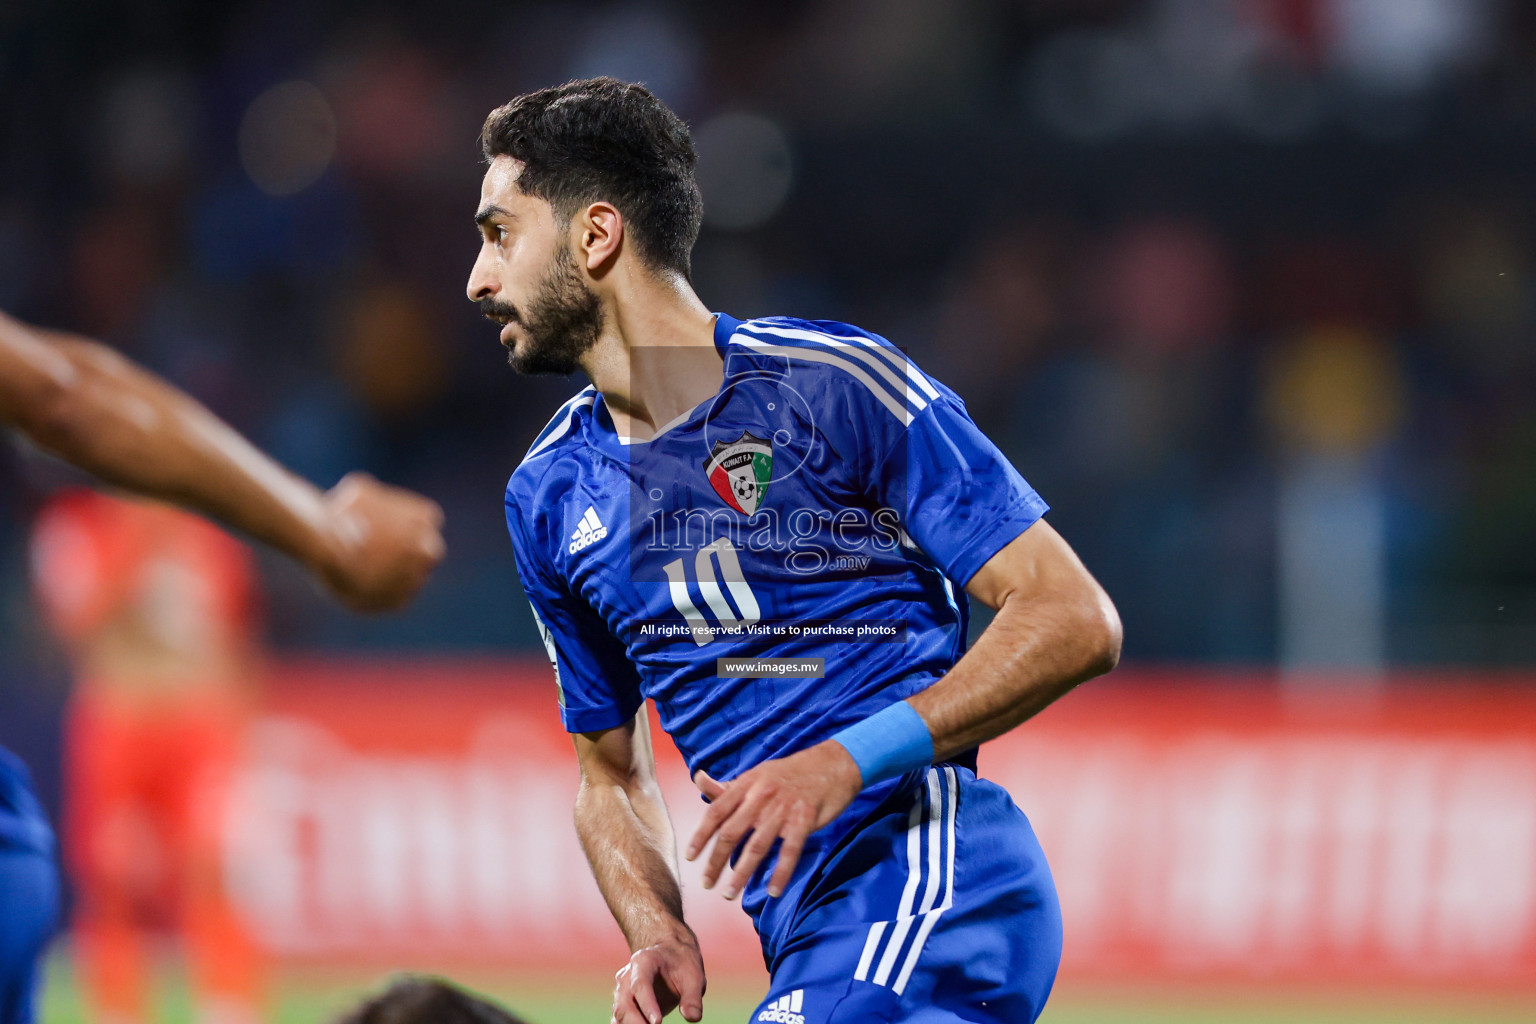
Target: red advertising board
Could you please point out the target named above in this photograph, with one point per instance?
(397, 812)
(1199, 826)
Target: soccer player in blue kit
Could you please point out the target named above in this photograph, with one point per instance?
(372, 544)
(727, 492)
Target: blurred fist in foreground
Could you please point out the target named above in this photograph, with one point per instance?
(379, 543)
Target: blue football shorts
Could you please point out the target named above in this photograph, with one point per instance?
(937, 907)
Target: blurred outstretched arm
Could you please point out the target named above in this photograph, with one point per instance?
(372, 544)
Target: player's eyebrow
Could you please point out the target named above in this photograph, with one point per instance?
(489, 213)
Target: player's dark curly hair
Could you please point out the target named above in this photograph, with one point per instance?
(601, 139)
(414, 999)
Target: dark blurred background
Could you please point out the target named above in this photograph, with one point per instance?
(1244, 288)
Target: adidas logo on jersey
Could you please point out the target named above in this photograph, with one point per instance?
(785, 1009)
(588, 532)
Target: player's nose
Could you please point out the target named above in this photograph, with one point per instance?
(482, 282)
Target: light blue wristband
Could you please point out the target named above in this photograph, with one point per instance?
(889, 743)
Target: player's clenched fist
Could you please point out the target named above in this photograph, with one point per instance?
(657, 979)
(379, 542)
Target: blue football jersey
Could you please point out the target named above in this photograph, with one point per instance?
(830, 502)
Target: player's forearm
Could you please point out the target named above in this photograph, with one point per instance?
(128, 427)
(628, 839)
(1033, 652)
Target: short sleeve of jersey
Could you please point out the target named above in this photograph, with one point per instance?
(599, 687)
(958, 497)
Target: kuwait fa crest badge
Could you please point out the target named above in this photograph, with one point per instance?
(739, 471)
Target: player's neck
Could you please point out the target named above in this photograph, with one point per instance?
(656, 358)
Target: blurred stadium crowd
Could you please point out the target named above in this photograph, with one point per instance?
(1214, 272)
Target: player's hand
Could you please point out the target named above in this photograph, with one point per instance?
(785, 799)
(659, 978)
(379, 543)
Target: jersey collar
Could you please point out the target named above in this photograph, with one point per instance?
(725, 326)
(600, 428)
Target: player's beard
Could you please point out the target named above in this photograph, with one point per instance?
(560, 323)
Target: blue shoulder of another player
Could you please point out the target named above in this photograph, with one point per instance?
(841, 353)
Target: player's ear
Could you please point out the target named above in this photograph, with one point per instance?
(600, 234)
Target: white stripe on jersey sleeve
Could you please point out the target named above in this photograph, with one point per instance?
(550, 649)
(898, 408)
(844, 347)
(858, 344)
(565, 417)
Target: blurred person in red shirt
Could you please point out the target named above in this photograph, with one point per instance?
(371, 544)
(156, 609)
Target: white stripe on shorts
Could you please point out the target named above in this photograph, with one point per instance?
(930, 824)
(931, 917)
